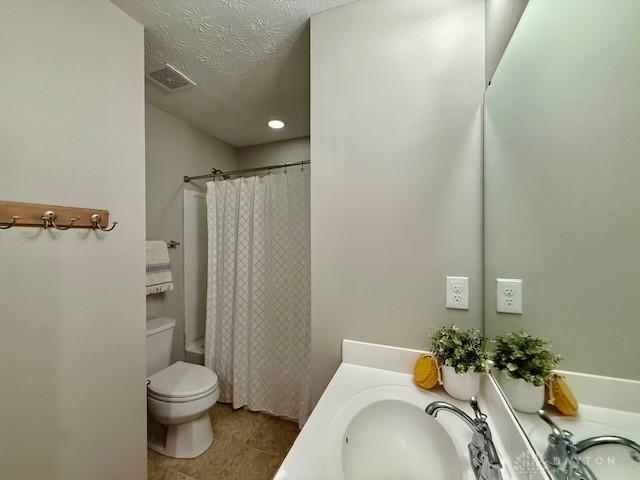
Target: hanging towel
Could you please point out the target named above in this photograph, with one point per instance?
(158, 267)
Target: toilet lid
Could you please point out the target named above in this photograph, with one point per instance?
(183, 380)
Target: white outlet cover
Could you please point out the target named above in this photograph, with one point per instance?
(509, 295)
(457, 296)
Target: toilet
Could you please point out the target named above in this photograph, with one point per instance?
(179, 396)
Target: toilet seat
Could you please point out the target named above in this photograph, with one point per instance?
(161, 398)
(182, 382)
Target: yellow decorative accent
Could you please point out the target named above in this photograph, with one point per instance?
(560, 396)
(426, 373)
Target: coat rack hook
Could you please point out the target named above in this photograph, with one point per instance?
(72, 220)
(14, 220)
(95, 223)
(47, 219)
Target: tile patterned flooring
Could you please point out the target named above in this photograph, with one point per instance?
(246, 446)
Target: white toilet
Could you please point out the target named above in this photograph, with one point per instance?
(179, 396)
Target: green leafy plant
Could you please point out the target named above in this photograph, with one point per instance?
(521, 355)
(461, 349)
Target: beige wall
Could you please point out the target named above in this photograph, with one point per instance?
(72, 348)
(287, 151)
(175, 149)
(562, 170)
(396, 93)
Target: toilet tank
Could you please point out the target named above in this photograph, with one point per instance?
(159, 341)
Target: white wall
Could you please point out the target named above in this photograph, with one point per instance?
(396, 92)
(274, 153)
(562, 170)
(72, 347)
(175, 149)
(501, 19)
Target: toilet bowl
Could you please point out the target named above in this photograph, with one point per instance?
(179, 396)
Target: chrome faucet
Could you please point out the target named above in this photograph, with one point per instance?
(562, 455)
(485, 461)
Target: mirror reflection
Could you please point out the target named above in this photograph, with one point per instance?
(562, 230)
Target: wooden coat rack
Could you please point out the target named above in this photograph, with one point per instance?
(18, 214)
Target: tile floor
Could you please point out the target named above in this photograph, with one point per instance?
(246, 446)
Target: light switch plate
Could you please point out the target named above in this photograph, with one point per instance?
(458, 293)
(509, 295)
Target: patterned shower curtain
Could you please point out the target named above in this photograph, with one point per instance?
(258, 329)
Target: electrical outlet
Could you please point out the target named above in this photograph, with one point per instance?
(458, 293)
(509, 295)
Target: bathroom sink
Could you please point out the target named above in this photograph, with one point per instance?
(370, 424)
(383, 433)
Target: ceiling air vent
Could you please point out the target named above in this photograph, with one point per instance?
(171, 79)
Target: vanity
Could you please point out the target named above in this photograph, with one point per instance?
(370, 423)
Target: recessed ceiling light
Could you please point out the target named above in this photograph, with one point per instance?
(276, 124)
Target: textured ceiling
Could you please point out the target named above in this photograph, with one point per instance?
(250, 59)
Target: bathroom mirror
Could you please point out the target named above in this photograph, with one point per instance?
(562, 227)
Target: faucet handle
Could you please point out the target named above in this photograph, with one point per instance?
(484, 431)
(476, 409)
(555, 429)
(560, 455)
(490, 447)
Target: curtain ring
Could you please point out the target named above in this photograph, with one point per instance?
(14, 220)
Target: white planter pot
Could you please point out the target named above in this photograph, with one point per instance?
(462, 386)
(522, 395)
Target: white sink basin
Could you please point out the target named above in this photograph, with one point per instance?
(391, 439)
(383, 433)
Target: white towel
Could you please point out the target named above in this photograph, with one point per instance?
(158, 267)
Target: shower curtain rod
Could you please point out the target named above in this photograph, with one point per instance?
(219, 173)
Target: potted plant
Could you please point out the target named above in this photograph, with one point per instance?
(525, 363)
(462, 359)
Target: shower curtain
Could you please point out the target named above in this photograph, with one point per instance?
(258, 328)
